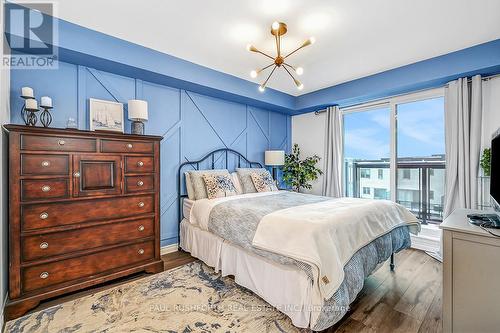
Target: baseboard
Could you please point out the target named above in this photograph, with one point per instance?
(169, 248)
(424, 243)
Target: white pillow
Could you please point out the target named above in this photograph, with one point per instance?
(189, 186)
(236, 182)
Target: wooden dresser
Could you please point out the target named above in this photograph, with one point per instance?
(83, 209)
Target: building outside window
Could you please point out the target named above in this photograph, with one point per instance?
(406, 174)
(380, 173)
(365, 173)
(366, 190)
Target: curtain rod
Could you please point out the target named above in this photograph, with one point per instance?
(486, 78)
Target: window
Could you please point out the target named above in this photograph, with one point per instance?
(366, 190)
(367, 142)
(400, 141)
(380, 193)
(420, 148)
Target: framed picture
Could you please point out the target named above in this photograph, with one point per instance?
(106, 115)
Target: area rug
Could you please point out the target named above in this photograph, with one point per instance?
(190, 298)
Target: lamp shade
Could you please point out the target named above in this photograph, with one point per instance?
(137, 110)
(275, 157)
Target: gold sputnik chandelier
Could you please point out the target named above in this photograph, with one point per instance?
(278, 29)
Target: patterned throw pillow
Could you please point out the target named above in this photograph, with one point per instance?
(244, 174)
(198, 184)
(263, 181)
(219, 186)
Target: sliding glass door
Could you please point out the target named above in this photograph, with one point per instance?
(420, 157)
(394, 150)
(367, 153)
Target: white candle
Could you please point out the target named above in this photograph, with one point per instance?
(46, 101)
(31, 104)
(27, 92)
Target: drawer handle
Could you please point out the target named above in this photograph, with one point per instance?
(141, 204)
(61, 142)
(44, 275)
(45, 164)
(140, 163)
(44, 245)
(141, 251)
(44, 215)
(141, 228)
(140, 183)
(45, 188)
(76, 174)
(129, 146)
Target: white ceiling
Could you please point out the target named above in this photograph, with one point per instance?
(354, 38)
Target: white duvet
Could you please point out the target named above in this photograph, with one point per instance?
(325, 235)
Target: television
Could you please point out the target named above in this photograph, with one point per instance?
(495, 171)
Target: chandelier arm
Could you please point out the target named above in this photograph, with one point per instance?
(270, 74)
(289, 54)
(264, 68)
(286, 69)
(264, 54)
(292, 67)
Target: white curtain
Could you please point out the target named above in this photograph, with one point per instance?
(463, 114)
(332, 171)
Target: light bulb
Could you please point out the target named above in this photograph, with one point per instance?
(300, 86)
(312, 40)
(275, 25)
(299, 70)
(253, 74)
(249, 47)
(262, 88)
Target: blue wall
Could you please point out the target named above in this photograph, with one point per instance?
(191, 124)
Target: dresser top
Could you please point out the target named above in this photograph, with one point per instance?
(63, 131)
(458, 221)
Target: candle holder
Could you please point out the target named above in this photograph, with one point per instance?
(45, 116)
(29, 115)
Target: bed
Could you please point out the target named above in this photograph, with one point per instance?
(288, 248)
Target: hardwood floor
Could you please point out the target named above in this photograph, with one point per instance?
(406, 300)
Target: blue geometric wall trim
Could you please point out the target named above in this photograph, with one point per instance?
(191, 124)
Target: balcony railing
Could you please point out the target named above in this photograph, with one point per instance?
(419, 185)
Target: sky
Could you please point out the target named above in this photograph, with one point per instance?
(420, 131)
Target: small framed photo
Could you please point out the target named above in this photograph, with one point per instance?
(106, 115)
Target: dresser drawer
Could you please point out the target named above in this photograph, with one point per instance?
(43, 189)
(54, 143)
(56, 243)
(32, 164)
(52, 274)
(56, 214)
(139, 184)
(119, 146)
(139, 164)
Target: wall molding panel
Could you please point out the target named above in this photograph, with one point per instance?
(191, 124)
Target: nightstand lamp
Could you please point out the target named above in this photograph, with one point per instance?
(138, 113)
(274, 159)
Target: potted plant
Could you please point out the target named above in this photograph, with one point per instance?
(486, 162)
(298, 173)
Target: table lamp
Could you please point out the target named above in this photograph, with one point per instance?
(138, 113)
(274, 159)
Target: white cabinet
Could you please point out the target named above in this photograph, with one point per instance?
(471, 276)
